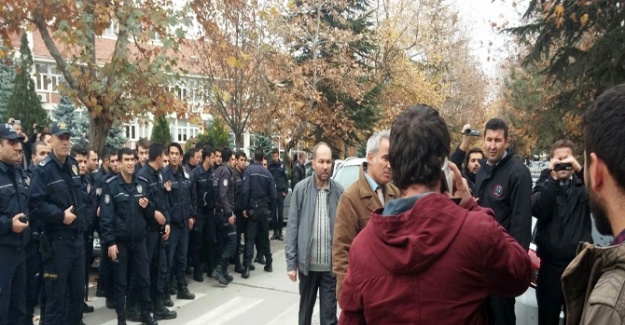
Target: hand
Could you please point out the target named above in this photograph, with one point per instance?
(461, 188)
(283, 194)
(232, 219)
(245, 213)
(113, 251)
(292, 275)
(18, 226)
(168, 186)
(143, 202)
(571, 160)
(166, 234)
(191, 223)
(159, 217)
(69, 217)
(465, 128)
(98, 212)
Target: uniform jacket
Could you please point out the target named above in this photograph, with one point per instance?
(205, 185)
(425, 260)
(238, 185)
(13, 200)
(123, 220)
(594, 286)
(258, 184)
(278, 171)
(90, 200)
(301, 219)
(563, 218)
(506, 188)
(225, 189)
(155, 193)
(181, 198)
(352, 215)
(56, 186)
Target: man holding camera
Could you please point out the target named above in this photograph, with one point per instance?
(13, 238)
(469, 159)
(559, 202)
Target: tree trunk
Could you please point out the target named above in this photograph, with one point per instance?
(99, 130)
(238, 140)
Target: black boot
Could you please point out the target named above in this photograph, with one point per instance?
(161, 312)
(275, 235)
(183, 293)
(280, 237)
(133, 313)
(87, 309)
(268, 267)
(198, 277)
(218, 274)
(246, 272)
(252, 267)
(147, 319)
(228, 276)
(172, 287)
(121, 318)
(110, 303)
(167, 302)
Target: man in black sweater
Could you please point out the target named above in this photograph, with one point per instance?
(504, 184)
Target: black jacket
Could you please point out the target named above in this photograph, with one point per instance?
(457, 157)
(181, 199)
(90, 200)
(205, 184)
(123, 220)
(54, 187)
(258, 184)
(298, 173)
(225, 189)
(13, 200)
(563, 217)
(155, 193)
(506, 188)
(238, 184)
(278, 172)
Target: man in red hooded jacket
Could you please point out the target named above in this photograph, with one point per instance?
(425, 259)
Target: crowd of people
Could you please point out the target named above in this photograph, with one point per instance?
(424, 236)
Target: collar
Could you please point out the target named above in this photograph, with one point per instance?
(619, 239)
(327, 187)
(399, 206)
(258, 163)
(5, 167)
(500, 160)
(372, 183)
(58, 162)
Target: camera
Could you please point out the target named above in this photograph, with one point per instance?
(558, 166)
(24, 218)
(473, 133)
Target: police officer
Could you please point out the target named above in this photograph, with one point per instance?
(204, 222)
(13, 223)
(108, 168)
(182, 203)
(225, 218)
(240, 163)
(54, 197)
(277, 170)
(34, 264)
(88, 212)
(258, 196)
(124, 211)
(158, 229)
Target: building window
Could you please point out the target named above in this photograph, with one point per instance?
(46, 77)
(112, 30)
(131, 132)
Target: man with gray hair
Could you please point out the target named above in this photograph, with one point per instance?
(371, 192)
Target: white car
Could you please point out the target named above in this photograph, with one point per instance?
(347, 172)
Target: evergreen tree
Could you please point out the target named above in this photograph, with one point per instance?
(82, 124)
(116, 137)
(24, 104)
(160, 131)
(66, 112)
(261, 141)
(7, 76)
(216, 134)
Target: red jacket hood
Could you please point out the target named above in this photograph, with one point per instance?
(411, 241)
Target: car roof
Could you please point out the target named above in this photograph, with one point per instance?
(353, 161)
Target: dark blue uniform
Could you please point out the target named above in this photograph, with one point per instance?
(241, 223)
(224, 209)
(13, 201)
(124, 224)
(55, 187)
(258, 196)
(278, 172)
(182, 204)
(88, 212)
(157, 258)
(205, 185)
(105, 270)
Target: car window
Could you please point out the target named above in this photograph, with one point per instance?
(347, 175)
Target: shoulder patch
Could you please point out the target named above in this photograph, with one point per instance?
(110, 179)
(107, 199)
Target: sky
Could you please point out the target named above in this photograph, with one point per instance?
(478, 15)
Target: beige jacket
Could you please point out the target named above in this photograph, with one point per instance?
(594, 286)
(352, 215)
